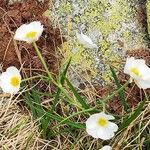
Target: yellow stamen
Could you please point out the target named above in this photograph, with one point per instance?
(31, 34)
(14, 81)
(135, 71)
(102, 122)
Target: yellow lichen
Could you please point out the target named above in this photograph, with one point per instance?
(107, 19)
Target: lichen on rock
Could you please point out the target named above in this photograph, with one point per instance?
(115, 26)
(148, 14)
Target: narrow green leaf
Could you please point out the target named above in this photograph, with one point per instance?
(37, 102)
(121, 92)
(59, 119)
(55, 101)
(74, 114)
(62, 79)
(130, 119)
(29, 102)
(81, 100)
(67, 122)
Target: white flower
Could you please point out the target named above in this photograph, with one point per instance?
(86, 41)
(29, 32)
(99, 126)
(10, 80)
(138, 71)
(106, 147)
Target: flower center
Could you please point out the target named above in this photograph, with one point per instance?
(14, 81)
(102, 122)
(31, 34)
(135, 71)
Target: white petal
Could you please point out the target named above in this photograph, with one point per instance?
(108, 117)
(145, 71)
(112, 126)
(143, 79)
(92, 132)
(5, 85)
(86, 41)
(128, 65)
(105, 133)
(138, 62)
(5, 78)
(10, 90)
(96, 131)
(143, 84)
(14, 90)
(38, 28)
(20, 32)
(86, 38)
(132, 62)
(92, 121)
(106, 147)
(34, 26)
(13, 70)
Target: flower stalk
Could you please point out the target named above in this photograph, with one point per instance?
(42, 60)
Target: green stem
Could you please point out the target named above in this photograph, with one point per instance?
(51, 78)
(74, 114)
(42, 60)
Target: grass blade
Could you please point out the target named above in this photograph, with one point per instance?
(37, 102)
(75, 114)
(59, 119)
(130, 119)
(62, 79)
(81, 100)
(29, 102)
(121, 92)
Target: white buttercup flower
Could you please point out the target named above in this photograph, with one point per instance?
(99, 126)
(86, 41)
(138, 71)
(29, 32)
(106, 147)
(10, 80)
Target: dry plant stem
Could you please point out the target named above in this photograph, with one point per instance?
(9, 103)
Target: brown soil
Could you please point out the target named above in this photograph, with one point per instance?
(16, 53)
(140, 53)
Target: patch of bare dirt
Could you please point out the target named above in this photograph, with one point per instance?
(16, 53)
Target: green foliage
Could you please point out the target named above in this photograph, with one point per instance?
(81, 100)
(62, 79)
(121, 92)
(128, 120)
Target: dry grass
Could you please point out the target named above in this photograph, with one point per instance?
(18, 131)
